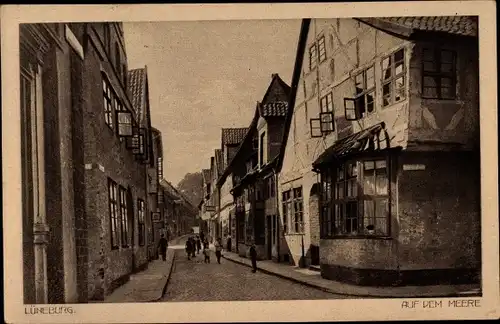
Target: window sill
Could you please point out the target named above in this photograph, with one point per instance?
(382, 107)
(357, 237)
(445, 100)
(294, 234)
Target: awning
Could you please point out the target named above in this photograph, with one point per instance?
(373, 138)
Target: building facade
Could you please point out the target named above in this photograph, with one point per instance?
(85, 153)
(250, 176)
(389, 165)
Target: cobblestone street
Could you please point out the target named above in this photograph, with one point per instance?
(193, 280)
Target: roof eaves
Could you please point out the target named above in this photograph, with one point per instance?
(301, 45)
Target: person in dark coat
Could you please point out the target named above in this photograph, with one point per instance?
(205, 243)
(202, 236)
(253, 257)
(193, 244)
(162, 246)
(198, 244)
(189, 248)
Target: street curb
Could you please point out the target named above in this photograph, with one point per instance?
(447, 295)
(165, 285)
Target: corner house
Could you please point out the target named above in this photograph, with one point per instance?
(392, 106)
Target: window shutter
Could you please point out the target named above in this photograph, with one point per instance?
(351, 109)
(315, 127)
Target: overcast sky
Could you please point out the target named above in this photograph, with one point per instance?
(206, 75)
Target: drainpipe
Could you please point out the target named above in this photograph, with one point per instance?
(275, 175)
(40, 226)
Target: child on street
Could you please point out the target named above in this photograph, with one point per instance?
(206, 253)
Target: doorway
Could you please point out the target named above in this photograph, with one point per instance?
(269, 238)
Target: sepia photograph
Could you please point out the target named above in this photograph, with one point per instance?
(328, 158)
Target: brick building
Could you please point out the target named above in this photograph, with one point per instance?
(179, 214)
(392, 133)
(86, 152)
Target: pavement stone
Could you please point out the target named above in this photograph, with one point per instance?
(148, 285)
(313, 279)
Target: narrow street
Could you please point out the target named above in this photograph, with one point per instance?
(193, 280)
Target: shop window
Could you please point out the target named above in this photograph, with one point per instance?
(439, 74)
(393, 78)
(355, 199)
(113, 212)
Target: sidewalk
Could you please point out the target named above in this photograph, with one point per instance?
(313, 279)
(148, 285)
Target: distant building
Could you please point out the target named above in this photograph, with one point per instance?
(250, 176)
(386, 113)
(180, 214)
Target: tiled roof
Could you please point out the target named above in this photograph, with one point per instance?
(273, 109)
(233, 136)
(136, 87)
(460, 25)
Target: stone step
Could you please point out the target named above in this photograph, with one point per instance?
(315, 268)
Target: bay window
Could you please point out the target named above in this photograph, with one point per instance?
(355, 199)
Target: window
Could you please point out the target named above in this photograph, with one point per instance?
(108, 102)
(326, 103)
(160, 168)
(439, 74)
(313, 56)
(293, 210)
(393, 78)
(287, 207)
(262, 148)
(297, 210)
(140, 218)
(124, 217)
(359, 201)
(113, 212)
(118, 63)
(322, 49)
(365, 91)
(123, 120)
(150, 229)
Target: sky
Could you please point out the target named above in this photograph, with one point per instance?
(204, 76)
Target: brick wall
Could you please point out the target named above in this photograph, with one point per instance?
(439, 211)
(110, 159)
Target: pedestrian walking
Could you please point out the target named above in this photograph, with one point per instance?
(218, 249)
(198, 244)
(228, 243)
(205, 243)
(193, 249)
(162, 246)
(253, 257)
(206, 253)
(189, 247)
(202, 236)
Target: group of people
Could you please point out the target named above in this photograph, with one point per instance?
(194, 246)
